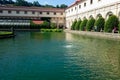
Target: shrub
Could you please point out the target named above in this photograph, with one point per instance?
(83, 25)
(77, 25)
(90, 24)
(119, 26)
(53, 26)
(73, 25)
(111, 23)
(99, 24)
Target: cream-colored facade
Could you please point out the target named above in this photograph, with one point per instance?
(91, 8)
(14, 13)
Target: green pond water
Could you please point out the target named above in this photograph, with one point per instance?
(58, 56)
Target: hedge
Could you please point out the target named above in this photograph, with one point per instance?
(90, 24)
(77, 25)
(99, 24)
(73, 25)
(83, 25)
(111, 23)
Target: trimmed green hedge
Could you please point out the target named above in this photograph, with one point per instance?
(83, 25)
(111, 23)
(5, 33)
(51, 30)
(77, 25)
(99, 24)
(119, 26)
(73, 25)
(90, 24)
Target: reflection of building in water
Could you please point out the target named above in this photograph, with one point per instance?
(69, 36)
(82, 9)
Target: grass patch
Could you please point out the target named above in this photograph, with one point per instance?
(51, 30)
(5, 33)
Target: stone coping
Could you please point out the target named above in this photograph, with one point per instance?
(113, 36)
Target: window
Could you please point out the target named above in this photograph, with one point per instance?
(61, 13)
(75, 8)
(9, 12)
(48, 13)
(25, 12)
(54, 13)
(79, 6)
(40, 12)
(99, 0)
(17, 12)
(1, 11)
(84, 4)
(71, 10)
(91, 1)
(33, 12)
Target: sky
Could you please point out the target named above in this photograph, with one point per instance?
(53, 2)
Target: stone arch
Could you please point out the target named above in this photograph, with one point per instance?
(98, 15)
(84, 18)
(109, 14)
(90, 16)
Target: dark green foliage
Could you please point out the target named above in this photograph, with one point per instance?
(53, 26)
(73, 25)
(83, 25)
(90, 24)
(77, 25)
(119, 26)
(99, 24)
(111, 23)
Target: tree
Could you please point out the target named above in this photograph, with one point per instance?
(21, 3)
(77, 25)
(73, 25)
(99, 24)
(83, 25)
(111, 23)
(63, 6)
(36, 3)
(90, 24)
(57, 6)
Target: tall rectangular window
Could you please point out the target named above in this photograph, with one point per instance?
(40, 12)
(33, 12)
(54, 13)
(1, 11)
(48, 13)
(17, 12)
(79, 6)
(84, 4)
(25, 12)
(91, 1)
(9, 12)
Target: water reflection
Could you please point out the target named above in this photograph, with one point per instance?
(92, 58)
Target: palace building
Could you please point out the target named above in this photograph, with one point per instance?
(19, 15)
(91, 8)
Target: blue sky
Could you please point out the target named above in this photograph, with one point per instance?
(53, 2)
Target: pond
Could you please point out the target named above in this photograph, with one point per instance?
(58, 56)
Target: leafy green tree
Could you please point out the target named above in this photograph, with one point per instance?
(73, 25)
(63, 6)
(36, 3)
(90, 24)
(99, 24)
(111, 23)
(77, 25)
(83, 25)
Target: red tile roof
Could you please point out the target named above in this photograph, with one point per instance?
(37, 22)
